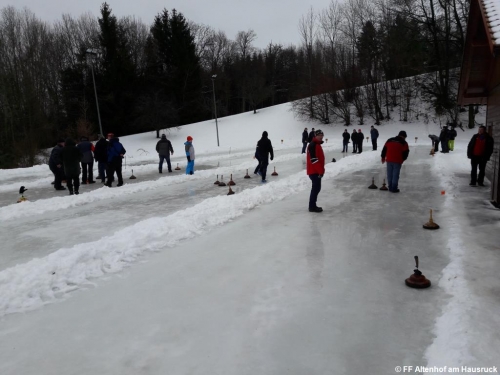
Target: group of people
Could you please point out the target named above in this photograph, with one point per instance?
(446, 139)
(68, 160)
(357, 139)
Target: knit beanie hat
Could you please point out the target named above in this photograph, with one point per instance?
(189, 138)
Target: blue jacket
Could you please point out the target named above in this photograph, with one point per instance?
(115, 149)
(374, 133)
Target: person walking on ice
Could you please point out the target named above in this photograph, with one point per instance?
(395, 152)
(315, 169)
(264, 148)
(188, 146)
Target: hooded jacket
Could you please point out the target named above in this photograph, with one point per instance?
(264, 148)
(115, 150)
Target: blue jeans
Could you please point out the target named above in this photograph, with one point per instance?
(315, 189)
(162, 159)
(393, 170)
(190, 167)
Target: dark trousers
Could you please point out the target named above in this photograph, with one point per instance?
(354, 147)
(345, 146)
(162, 159)
(73, 181)
(315, 189)
(102, 166)
(263, 168)
(444, 146)
(114, 166)
(360, 147)
(374, 144)
(393, 171)
(87, 172)
(436, 146)
(58, 175)
(481, 163)
(304, 146)
(257, 168)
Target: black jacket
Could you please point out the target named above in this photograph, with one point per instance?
(305, 136)
(360, 138)
(55, 156)
(346, 137)
(71, 157)
(452, 134)
(164, 147)
(311, 136)
(443, 136)
(488, 150)
(264, 148)
(101, 150)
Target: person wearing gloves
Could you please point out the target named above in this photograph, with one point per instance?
(395, 152)
(188, 146)
(315, 169)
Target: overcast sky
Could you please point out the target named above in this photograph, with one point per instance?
(272, 20)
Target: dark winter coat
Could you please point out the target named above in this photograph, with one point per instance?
(315, 158)
(346, 137)
(395, 150)
(434, 138)
(71, 156)
(311, 136)
(452, 134)
(488, 150)
(354, 137)
(164, 147)
(360, 138)
(101, 151)
(115, 150)
(374, 134)
(264, 148)
(443, 136)
(55, 156)
(86, 149)
(305, 136)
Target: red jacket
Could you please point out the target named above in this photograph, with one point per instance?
(315, 158)
(395, 150)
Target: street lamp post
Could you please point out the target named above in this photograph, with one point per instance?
(93, 54)
(215, 108)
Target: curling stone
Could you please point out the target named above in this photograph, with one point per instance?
(431, 224)
(231, 192)
(231, 182)
(373, 186)
(274, 173)
(333, 160)
(133, 177)
(217, 182)
(222, 183)
(417, 280)
(247, 175)
(384, 186)
(177, 168)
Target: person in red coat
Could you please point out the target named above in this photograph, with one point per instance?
(395, 152)
(315, 168)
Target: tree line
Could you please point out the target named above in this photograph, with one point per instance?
(357, 59)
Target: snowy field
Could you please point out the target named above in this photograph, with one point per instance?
(169, 275)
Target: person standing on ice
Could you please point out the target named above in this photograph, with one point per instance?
(315, 169)
(264, 149)
(345, 141)
(55, 165)
(87, 149)
(256, 156)
(305, 137)
(311, 136)
(374, 135)
(71, 156)
(101, 157)
(116, 151)
(443, 137)
(479, 152)
(164, 149)
(354, 139)
(188, 146)
(361, 139)
(452, 134)
(395, 152)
